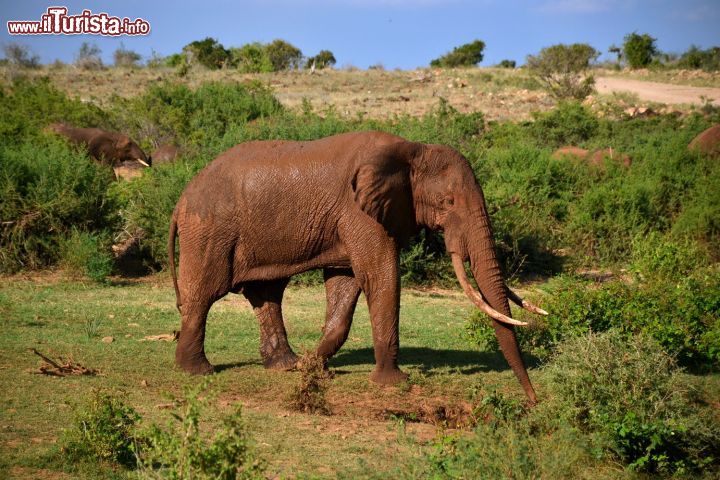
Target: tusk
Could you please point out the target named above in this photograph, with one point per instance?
(524, 303)
(143, 162)
(476, 298)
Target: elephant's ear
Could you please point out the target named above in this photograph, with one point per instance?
(123, 142)
(382, 188)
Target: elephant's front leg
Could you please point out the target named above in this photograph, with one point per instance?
(342, 292)
(375, 263)
(266, 300)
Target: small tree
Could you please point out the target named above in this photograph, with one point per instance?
(88, 57)
(324, 58)
(251, 58)
(507, 64)
(563, 69)
(617, 51)
(283, 55)
(208, 52)
(639, 50)
(123, 57)
(696, 58)
(467, 55)
(21, 55)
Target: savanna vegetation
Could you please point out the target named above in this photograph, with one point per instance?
(625, 259)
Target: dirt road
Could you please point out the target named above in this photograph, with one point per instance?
(657, 92)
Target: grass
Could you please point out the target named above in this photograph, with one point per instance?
(51, 315)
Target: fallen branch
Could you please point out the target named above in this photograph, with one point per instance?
(62, 367)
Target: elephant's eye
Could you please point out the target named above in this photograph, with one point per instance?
(449, 202)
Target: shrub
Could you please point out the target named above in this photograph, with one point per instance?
(207, 52)
(507, 64)
(309, 394)
(570, 123)
(123, 57)
(629, 396)
(182, 451)
(467, 55)
(27, 106)
(103, 430)
(324, 58)
(283, 55)
(251, 58)
(86, 254)
(21, 55)
(696, 58)
(682, 316)
(563, 69)
(46, 190)
(88, 57)
(639, 50)
(170, 110)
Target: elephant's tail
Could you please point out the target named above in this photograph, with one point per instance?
(171, 256)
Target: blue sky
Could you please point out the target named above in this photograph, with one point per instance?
(397, 33)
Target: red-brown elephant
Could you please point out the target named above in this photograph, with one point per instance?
(264, 211)
(110, 148)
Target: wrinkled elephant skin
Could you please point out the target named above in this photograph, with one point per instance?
(264, 211)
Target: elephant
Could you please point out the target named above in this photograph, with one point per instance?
(596, 158)
(109, 148)
(707, 142)
(166, 153)
(264, 211)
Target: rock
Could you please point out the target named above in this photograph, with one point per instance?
(108, 339)
(597, 157)
(707, 142)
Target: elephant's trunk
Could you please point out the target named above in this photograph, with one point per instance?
(486, 270)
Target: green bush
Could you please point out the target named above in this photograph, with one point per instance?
(251, 58)
(207, 52)
(610, 401)
(467, 55)
(28, 106)
(283, 55)
(697, 58)
(182, 451)
(639, 50)
(563, 70)
(324, 58)
(174, 111)
(48, 190)
(103, 430)
(628, 395)
(570, 123)
(507, 64)
(683, 316)
(86, 254)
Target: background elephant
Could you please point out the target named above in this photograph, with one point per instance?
(595, 158)
(707, 142)
(165, 154)
(264, 211)
(110, 148)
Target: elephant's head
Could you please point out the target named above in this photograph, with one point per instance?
(435, 186)
(129, 151)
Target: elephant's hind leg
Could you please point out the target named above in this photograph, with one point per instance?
(190, 350)
(342, 292)
(266, 300)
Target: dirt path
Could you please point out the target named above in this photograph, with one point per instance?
(658, 92)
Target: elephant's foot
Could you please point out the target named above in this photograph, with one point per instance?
(281, 361)
(388, 376)
(198, 366)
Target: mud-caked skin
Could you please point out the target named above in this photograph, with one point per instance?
(110, 148)
(264, 211)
